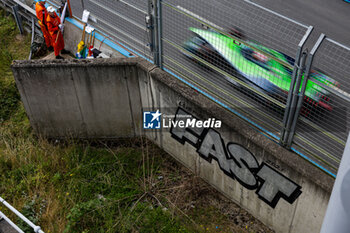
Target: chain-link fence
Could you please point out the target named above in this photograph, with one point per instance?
(225, 50)
(121, 20)
(322, 131)
(247, 58)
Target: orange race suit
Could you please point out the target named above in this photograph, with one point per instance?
(55, 32)
(41, 14)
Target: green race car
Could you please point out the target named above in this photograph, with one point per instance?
(264, 71)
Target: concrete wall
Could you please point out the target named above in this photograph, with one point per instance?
(106, 99)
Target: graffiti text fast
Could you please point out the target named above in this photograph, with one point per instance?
(238, 163)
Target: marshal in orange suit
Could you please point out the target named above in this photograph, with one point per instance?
(41, 14)
(54, 26)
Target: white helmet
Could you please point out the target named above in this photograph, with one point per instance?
(50, 9)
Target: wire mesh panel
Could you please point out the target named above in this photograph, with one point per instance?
(239, 53)
(77, 8)
(55, 2)
(324, 124)
(257, 23)
(122, 20)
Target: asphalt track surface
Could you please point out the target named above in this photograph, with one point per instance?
(332, 18)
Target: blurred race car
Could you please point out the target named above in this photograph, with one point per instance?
(256, 69)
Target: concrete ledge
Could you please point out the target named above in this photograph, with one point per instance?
(288, 157)
(75, 62)
(105, 98)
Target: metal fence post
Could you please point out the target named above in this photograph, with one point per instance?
(17, 18)
(157, 32)
(302, 91)
(32, 40)
(294, 99)
(292, 85)
(289, 99)
(151, 29)
(160, 33)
